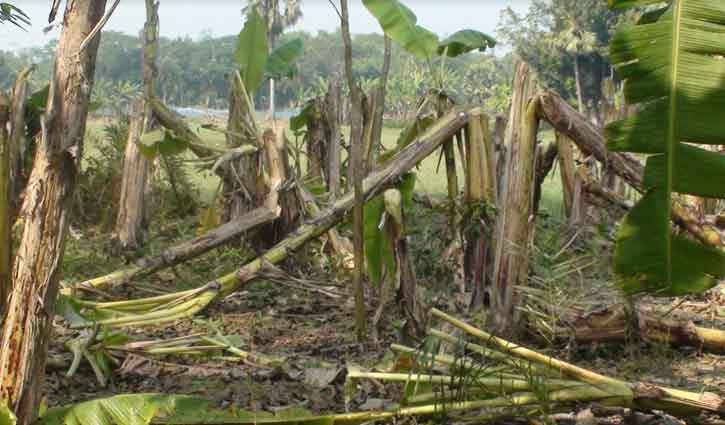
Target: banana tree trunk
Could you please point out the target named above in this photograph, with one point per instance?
(281, 198)
(406, 281)
(28, 321)
(357, 174)
(615, 323)
(244, 188)
(570, 181)
(5, 203)
(333, 102)
(316, 140)
(515, 221)
(373, 122)
(18, 142)
(499, 148)
(12, 147)
(481, 198)
(132, 218)
(449, 156)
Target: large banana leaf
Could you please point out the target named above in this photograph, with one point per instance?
(465, 41)
(252, 51)
(400, 24)
(146, 409)
(281, 62)
(673, 65)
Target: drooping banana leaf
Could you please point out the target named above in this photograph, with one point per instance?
(251, 51)
(378, 250)
(465, 41)
(281, 63)
(401, 25)
(673, 67)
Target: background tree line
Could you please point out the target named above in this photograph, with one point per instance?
(193, 72)
(564, 41)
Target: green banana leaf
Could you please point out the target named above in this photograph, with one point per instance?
(465, 41)
(673, 68)
(299, 121)
(161, 142)
(6, 415)
(252, 51)
(378, 250)
(400, 24)
(72, 311)
(147, 409)
(281, 63)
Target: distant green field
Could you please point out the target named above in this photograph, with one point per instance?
(431, 175)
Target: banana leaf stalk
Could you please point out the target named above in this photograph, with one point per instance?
(503, 383)
(198, 344)
(377, 181)
(495, 408)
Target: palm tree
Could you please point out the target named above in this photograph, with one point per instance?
(277, 22)
(573, 39)
(11, 13)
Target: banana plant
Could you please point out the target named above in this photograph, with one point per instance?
(257, 64)
(399, 23)
(379, 251)
(673, 67)
(253, 54)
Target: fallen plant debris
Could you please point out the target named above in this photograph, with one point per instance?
(490, 380)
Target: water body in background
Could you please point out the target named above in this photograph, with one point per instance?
(191, 112)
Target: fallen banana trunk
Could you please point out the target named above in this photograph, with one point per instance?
(638, 395)
(184, 251)
(166, 308)
(590, 141)
(510, 381)
(614, 323)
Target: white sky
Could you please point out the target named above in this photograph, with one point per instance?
(181, 18)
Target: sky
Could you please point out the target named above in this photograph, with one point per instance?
(194, 18)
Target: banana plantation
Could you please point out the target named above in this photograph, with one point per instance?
(522, 225)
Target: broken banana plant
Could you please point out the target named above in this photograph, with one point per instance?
(105, 351)
(499, 379)
(487, 381)
(170, 307)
